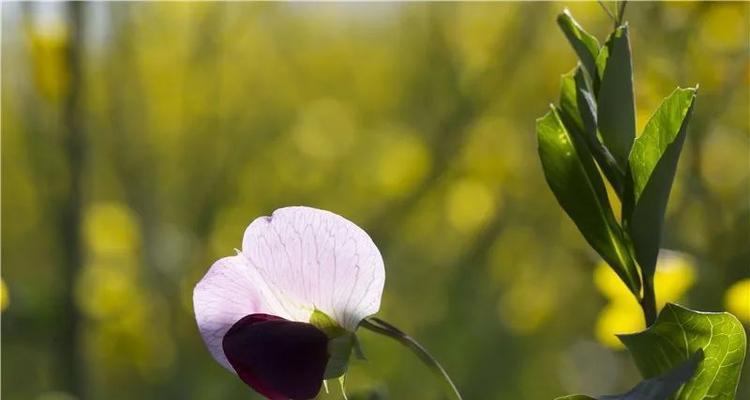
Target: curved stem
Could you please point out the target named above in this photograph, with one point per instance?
(377, 325)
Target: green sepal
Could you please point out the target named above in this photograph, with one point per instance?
(340, 344)
(322, 321)
(339, 353)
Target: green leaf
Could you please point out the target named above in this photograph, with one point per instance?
(585, 45)
(653, 162)
(574, 179)
(569, 98)
(586, 107)
(659, 388)
(578, 112)
(678, 333)
(616, 112)
(602, 57)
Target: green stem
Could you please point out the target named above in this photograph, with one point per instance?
(621, 12)
(377, 325)
(648, 302)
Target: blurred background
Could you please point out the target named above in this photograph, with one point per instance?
(140, 139)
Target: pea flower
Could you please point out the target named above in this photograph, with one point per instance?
(282, 312)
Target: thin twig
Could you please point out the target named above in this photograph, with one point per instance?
(377, 325)
(607, 10)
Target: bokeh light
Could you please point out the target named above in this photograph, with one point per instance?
(137, 149)
(737, 300)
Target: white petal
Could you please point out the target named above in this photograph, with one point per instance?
(230, 290)
(314, 259)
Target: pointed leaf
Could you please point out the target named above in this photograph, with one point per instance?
(616, 113)
(677, 334)
(578, 112)
(574, 179)
(602, 57)
(585, 45)
(653, 162)
(569, 98)
(659, 388)
(587, 107)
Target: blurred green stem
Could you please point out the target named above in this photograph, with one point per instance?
(74, 146)
(377, 325)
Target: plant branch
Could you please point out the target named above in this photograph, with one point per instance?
(621, 12)
(377, 325)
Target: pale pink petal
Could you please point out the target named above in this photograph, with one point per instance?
(314, 259)
(230, 290)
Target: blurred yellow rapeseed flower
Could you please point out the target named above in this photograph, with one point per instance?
(675, 274)
(470, 203)
(129, 325)
(4, 298)
(737, 300)
(402, 162)
(111, 228)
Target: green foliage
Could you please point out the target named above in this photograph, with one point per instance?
(642, 178)
(578, 110)
(658, 388)
(680, 332)
(585, 44)
(670, 352)
(569, 97)
(653, 163)
(578, 187)
(616, 104)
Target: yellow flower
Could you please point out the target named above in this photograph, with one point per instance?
(737, 300)
(4, 298)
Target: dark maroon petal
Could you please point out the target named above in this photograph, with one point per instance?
(278, 358)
